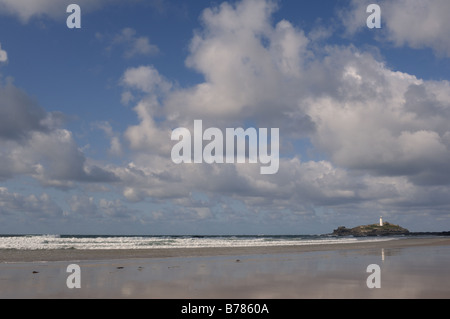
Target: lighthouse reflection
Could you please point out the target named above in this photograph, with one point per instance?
(382, 253)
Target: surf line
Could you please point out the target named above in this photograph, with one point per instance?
(213, 152)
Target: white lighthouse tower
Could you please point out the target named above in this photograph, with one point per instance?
(381, 221)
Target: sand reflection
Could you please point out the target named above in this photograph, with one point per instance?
(417, 272)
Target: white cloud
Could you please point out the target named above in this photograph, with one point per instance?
(249, 65)
(414, 23)
(382, 130)
(33, 143)
(146, 79)
(385, 134)
(382, 122)
(420, 24)
(3, 54)
(149, 135)
(60, 161)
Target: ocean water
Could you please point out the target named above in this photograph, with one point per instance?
(47, 242)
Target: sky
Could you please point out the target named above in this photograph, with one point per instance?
(86, 115)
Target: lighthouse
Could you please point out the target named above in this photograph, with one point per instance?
(381, 221)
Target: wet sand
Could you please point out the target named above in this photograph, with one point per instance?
(410, 268)
(78, 255)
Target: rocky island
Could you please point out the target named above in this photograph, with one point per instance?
(386, 229)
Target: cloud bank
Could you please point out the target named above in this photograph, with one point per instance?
(385, 133)
(378, 140)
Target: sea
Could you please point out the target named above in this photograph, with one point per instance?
(91, 242)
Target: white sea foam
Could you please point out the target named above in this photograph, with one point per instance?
(89, 243)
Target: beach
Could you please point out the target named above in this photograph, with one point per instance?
(409, 268)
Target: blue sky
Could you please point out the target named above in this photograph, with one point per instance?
(86, 115)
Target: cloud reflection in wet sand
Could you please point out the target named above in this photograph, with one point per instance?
(419, 272)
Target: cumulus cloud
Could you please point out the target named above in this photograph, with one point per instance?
(149, 135)
(385, 134)
(401, 121)
(251, 67)
(34, 143)
(236, 192)
(414, 23)
(146, 79)
(65, 162)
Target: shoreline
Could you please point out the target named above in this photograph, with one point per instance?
(24, 256)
